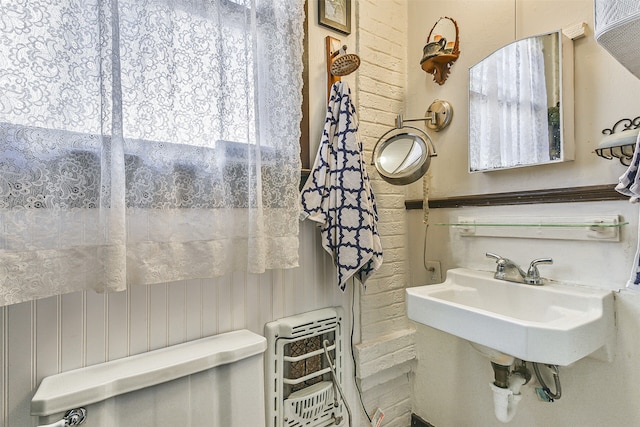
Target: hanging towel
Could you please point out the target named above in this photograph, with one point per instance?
(338, 196)
(629, 185)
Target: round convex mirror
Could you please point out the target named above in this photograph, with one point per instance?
(403, 158)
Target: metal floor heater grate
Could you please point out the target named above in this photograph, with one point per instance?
(299, 388)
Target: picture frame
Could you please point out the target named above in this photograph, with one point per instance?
(335, 14)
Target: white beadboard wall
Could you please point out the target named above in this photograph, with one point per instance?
(57, 334)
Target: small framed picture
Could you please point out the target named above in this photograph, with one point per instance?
(335, 14)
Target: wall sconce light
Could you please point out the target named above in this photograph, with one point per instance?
(620, 143)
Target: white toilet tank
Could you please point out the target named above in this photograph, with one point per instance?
(216, 381)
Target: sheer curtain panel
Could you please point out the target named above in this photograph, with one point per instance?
(146, 141)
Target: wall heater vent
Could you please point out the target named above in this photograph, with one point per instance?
(299, 387)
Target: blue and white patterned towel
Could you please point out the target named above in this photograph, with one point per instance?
(629, 185)
(338, 193)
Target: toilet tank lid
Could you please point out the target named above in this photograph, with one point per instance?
(72, 389)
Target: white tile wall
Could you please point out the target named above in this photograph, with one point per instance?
(56, 334)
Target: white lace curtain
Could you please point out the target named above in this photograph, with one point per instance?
(508, 124)
(146, 141)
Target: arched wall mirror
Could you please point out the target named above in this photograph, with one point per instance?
(521, 104)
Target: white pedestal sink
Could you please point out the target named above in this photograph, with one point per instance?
(554, 324)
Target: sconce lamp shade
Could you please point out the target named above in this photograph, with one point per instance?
(617, 29)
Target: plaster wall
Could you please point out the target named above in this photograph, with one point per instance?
(604, 91)
(451, 386)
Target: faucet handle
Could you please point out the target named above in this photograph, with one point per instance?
(492, 255)
(499, 274)
(535, 262)
(533, 275)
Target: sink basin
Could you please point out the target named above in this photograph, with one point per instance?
(555, 324)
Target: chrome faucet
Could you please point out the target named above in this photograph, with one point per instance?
(511, 272)
(507, 269)
(533, 275)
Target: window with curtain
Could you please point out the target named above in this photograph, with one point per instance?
(146, 141)
(508, 107)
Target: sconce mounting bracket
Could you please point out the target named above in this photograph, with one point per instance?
(439, 115)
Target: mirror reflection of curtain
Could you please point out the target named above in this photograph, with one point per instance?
(508, 123)
(146, 141)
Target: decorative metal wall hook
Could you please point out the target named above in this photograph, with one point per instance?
(620, 141)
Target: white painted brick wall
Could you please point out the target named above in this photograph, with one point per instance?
(386, 352)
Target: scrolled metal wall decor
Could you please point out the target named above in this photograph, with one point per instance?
(617, 143)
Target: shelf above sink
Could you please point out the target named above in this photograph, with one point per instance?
(594, 228)
(554, 324)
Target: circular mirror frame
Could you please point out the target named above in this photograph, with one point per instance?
(412, 173)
